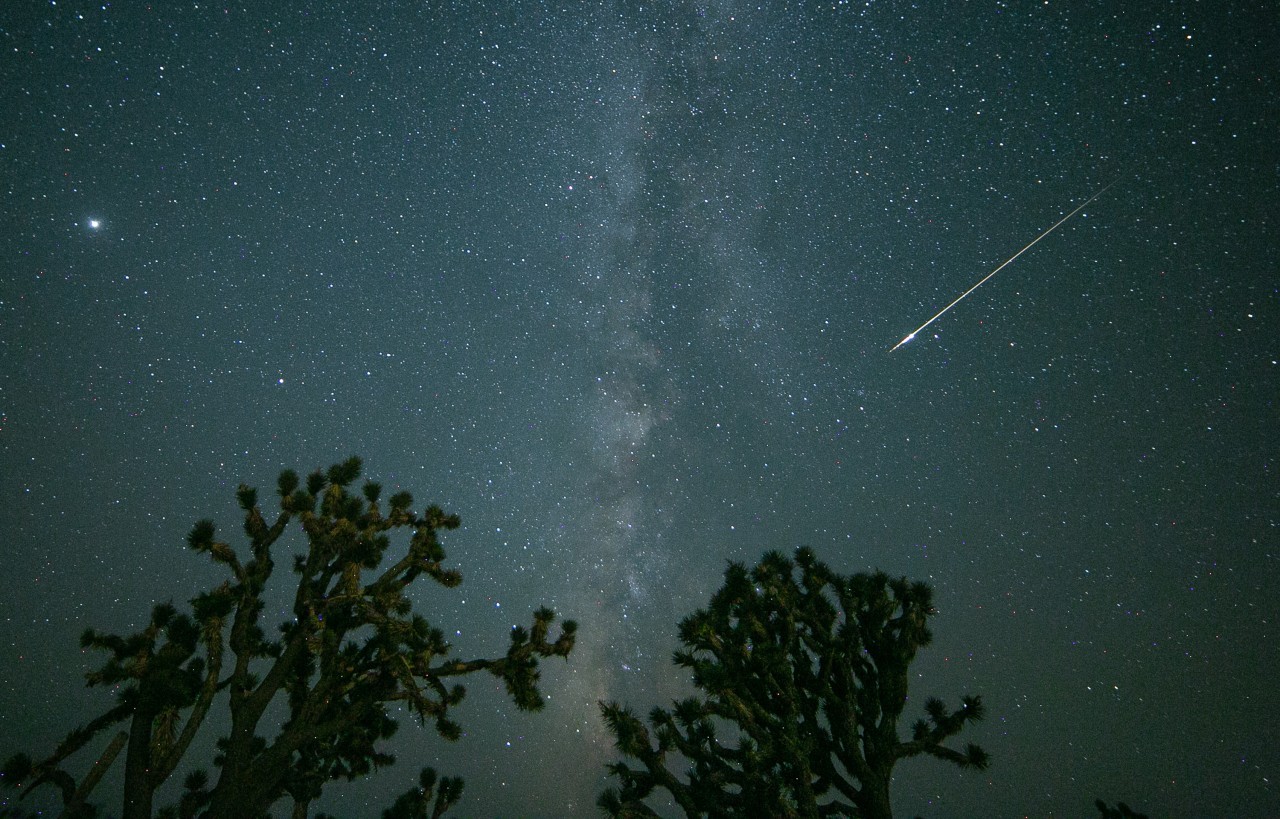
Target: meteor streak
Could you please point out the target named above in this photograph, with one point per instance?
(1007, 262)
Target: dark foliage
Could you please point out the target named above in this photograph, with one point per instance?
(804, 677)
(417, 803)
(353, 646)
(1120, 811)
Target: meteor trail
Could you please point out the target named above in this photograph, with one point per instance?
(1007, 262)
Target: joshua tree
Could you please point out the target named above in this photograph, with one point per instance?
(808, 674)
(353, 646)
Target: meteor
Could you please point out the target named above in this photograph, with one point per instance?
(1007, 262)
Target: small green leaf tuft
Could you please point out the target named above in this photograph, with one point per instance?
(201, 536)
(247, 497)
(315, 483)
(287, 483)
(401, 501)
(345, 472)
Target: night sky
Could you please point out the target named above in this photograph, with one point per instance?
(617, 284)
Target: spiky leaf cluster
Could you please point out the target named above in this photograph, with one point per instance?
(355, 643)
(353, 647)
(429, 800)
(803, 674)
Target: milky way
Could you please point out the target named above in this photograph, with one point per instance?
(615, 285)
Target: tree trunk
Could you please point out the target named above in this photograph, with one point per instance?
(137, 767)
(873, 800)
(249, 786)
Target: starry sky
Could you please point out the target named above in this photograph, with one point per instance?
(617, 283)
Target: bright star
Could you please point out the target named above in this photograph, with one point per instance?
(94, 224)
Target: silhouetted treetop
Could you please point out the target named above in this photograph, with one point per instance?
(804, 677)
(353, 647)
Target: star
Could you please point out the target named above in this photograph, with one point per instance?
(95, 224)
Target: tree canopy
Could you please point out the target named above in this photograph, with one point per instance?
(353, 646)
(803, 674)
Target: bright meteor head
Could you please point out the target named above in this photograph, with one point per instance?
(904, 341)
